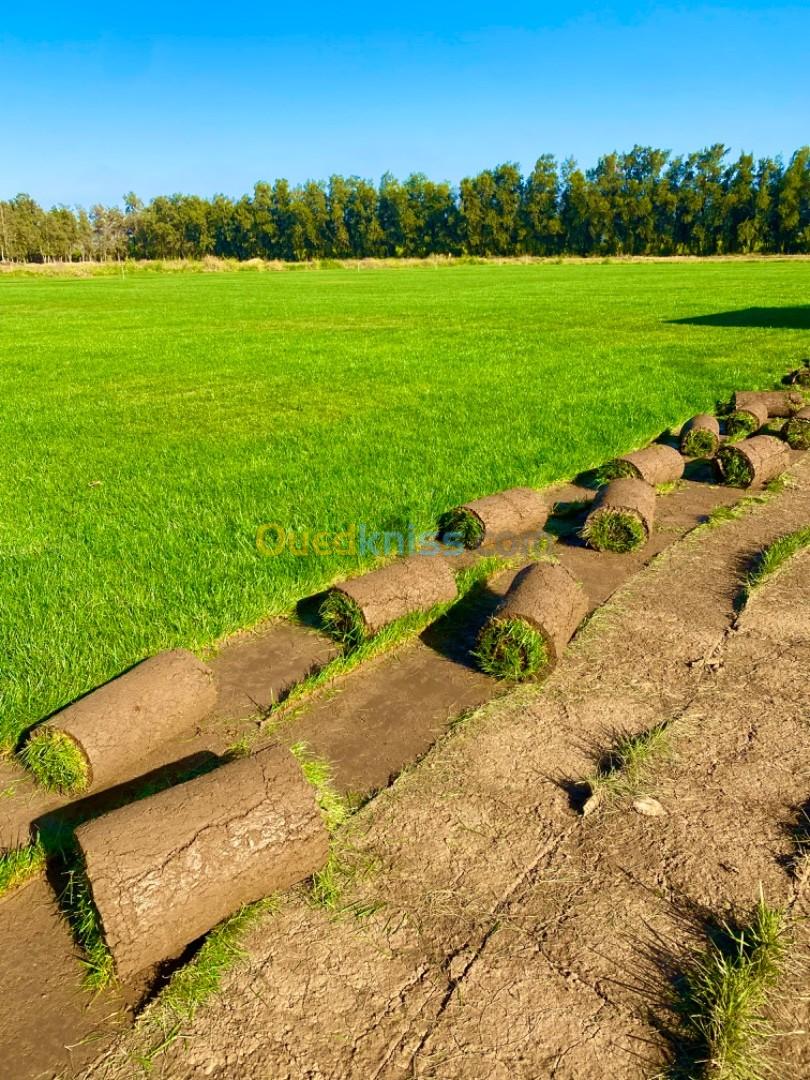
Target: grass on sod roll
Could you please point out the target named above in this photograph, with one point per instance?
(774, 557)
(797, 434)
(741, 424)
(615, 530)
(737, 471)
(511, 649)
(616, 470)
(626, 768)
(146, 472)
(699, 443)
(56, 761)
(343, 619)
(461, 524)
(723, 996)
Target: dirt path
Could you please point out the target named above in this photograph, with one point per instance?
(512, 938)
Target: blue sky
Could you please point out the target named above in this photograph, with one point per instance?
(98, 100)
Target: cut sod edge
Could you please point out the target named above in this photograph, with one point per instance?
(465, 524)
(514, 648)
(56, 760)
(616, 528)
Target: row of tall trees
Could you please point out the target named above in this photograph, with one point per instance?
(644, 202)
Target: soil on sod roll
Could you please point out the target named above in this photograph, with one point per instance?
(656, 464)
(535, 622)
(776, 402)
(104, 737)
(622, 517)
(796, 431)
(165, 870)
(753, 461)
(361, 607)
(700, 436)
(494, 518)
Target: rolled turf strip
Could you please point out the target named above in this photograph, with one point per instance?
(796, 431)
(622, 517)
(655, 464)
(534, 623)
(700, 436)
(165, 870)
(504, 515)
(799, 377)
(747, 420)
(752, 461)
(359, 608)
(103, 738)
(777, 402)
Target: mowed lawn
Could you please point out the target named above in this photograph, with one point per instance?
(152, 422)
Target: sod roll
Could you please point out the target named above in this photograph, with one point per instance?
(534, 623)
(495, 517)
(752, 461)
(700, 436)
(165, 870)
(622, 517)
(655, 464)
(796, 431)
(104, 738)
(361, 607)
(776, 402)
(745, 421)
(799, 377)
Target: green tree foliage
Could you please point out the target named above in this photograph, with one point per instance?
(642, 202)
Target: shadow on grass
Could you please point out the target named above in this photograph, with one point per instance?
(766, 318)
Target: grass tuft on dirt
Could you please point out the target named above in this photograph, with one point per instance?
(511, 649)
(342, 618)
(197, 981)
(626, 768)
(318, 774)
(77, 905)
(614, 530)
(773, 558)
(56, 762)
(737, 471)
(741, 424)
(723, 996)
(19, 865)
(463, 525)
(699, 443)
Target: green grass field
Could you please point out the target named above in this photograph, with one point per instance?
(152, 422)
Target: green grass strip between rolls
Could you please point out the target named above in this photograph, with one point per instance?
(615, 530)
(511, 649)
(56, 761)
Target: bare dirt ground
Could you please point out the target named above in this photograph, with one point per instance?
(503, 934)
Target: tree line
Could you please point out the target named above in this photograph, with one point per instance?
(644, 202)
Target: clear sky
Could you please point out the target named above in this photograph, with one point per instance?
(98, 99)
